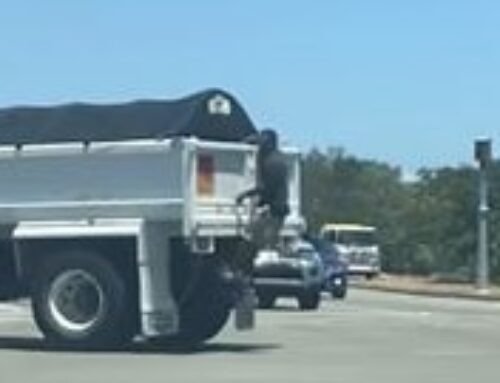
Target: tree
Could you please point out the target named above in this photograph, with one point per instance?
(426, 226)
(341, 188)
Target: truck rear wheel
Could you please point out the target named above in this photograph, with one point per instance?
(80, 300)
(8, 281)
(200, 319)
(204, 298)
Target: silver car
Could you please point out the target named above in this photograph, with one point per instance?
(295, 272)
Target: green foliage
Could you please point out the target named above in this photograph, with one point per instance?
(426, 226)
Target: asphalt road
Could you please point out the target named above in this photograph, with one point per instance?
(372, 336)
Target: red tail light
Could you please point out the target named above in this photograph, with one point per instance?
(205, 175)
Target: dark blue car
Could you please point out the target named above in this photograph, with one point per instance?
(336, 271)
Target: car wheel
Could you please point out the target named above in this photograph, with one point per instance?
(371, 276)
(78, 300)
(339, 292)
(266, 301)
(309, 300)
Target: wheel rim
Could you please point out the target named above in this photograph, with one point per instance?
(76, 300)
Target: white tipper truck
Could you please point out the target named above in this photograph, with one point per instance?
(133, 237)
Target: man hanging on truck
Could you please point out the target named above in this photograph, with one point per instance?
(271, 189)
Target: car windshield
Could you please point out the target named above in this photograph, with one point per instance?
(355, 238)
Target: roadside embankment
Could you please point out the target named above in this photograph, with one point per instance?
(427, 286)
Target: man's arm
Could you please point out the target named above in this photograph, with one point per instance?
(248, 194)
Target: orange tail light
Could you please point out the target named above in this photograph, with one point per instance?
(205, 175)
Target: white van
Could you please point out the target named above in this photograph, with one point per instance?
(357, 245)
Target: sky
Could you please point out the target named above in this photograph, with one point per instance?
(412, 83)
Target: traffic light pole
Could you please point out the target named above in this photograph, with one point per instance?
(482, 279)
(483, 157)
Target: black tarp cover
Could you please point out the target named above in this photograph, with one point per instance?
(201, 115)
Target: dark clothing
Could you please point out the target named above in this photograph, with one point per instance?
(274, 183)
(265, 230)
(272, 190)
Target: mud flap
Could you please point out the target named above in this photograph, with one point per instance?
(159, 312)
(244, 310)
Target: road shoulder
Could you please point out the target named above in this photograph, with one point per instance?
(427, 287)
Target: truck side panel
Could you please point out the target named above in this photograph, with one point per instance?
(106, 179)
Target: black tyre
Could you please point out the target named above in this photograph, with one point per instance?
(339, 292)
(266, 301)
(204, 300)
(8, 281)
(371, 276)
(309, 300)
(80, 300)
